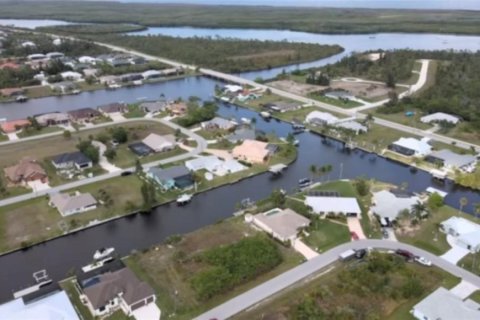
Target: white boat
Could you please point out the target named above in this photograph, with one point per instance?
(96, 265)
(225, 99)
(114, 86)
(76, 91)
(184, 198)
(137, 82)
(265, 114)
(246, 120)
(103, 253)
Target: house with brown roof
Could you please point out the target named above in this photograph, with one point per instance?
(83, 115)
(252, 151)
(25, 171)
(14, 125)
(178, 108)
(68, 204)
(113, 108)
(115, 290)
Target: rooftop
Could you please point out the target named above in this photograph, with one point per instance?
(387, 204)
(333, 204)
(453, 159)
(76, 157)
(285, 222)
(326, 117)
(440, 116)
(66, 203)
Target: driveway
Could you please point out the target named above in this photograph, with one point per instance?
(148, 312)
(12, 136)
(464, 289)
(304, 250)
(103, 161)
(38, 185)
(456, 253)
(355, 226)
(116, 116)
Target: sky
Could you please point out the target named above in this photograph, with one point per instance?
(405, 4)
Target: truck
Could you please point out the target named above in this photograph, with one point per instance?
(347, 255)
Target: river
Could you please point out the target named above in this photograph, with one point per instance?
(62, 255)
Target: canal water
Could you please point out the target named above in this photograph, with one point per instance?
(64, 255)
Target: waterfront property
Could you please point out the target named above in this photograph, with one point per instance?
(159, 143)
(72, 160)
(153, 106)
(453, 161)
(252, 151)
(83, 115)
(214, 165)
(444, 304)
(25, 171)
(178, 177)
(68, 204)
(113, 108)
(283, 224)
(218, 123)
(411, 147)
(242, 134)
(440, 117)
(388, 204)
(282, 106)
(466, 233)
(15, 125)
(121, 289)
(52, 119)
(347, 206)
(318, 118)
(51, 306)
(178, 108)
(352, 126)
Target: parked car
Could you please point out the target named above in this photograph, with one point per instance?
(423, 261)
(360, 253)
(406, 254)
(347, 255)
(126, 173)
(354, 235)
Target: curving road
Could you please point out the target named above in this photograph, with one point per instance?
(286, 279)
(201, 146)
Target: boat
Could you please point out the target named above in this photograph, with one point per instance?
(184, 199)
(114, 86)
(103, 253)
(265, 114)
(96, 265)
(76, 91)
(305, 182)
(225, 99)
(246, 121)
(21, 99)
(137, 82)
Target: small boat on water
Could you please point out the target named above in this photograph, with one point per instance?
(103, 253)
(225, 99)
(184, 199)
(76, 91)
(246, 120)
(265, 115)
(21, 98)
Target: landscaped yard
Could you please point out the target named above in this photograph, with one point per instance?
(325, 234)
(32, 132)
(368, 292)
(126, 158)
(347, 104)
(170, 270)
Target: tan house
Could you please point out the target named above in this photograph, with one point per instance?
(160, 143)
(251, 151)
(178, 108)
(25, 171)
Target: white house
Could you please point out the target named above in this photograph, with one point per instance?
(36, 56)
(233, 88)
(321, 118)
(281, 224)
(453, 161)
(214, 165)
(439, 117)
(387, 204)
(71, 75)
(57, 42)
(411, 147)
(151, 74)
(353, 126)
(465, 232)
(160, 143)
(87, 59)
(55, 55)
(70, 204)
(218, 123)
(338, 205)
(443, 304)
(53, 306)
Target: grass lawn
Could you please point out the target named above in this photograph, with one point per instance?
(424, 235)
(471, 262)
(33, 221)
(126, 158)
(169, 270)
(39, 91)
(281, 305)
(378, 137)
(413, 121)
(212, 134)
(464, 131)
(30, 133)
(134, 112)
(335, 102)
(325, 234)
(475, 296)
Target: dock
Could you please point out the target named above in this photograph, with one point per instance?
(277, 168)
(432, 190)
(438, 174)
(41, 279)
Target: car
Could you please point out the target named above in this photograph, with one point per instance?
(354, 235)
(423, 261)
(360, 253)
(126, 173)
(406, 254)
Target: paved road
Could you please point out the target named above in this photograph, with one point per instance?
(283, 281)
(201, 146)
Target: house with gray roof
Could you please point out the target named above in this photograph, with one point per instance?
(353, 126)
(72, 160)
(115, 290)
(281, 224)
(218, 123)
(159, 143)
(242, 134)
(453, 161)
(178, 177)
(443, 304)
(388, 204)
(68, 204)
(282, 106)
(115, 107)
(153, 106)
(52, 119)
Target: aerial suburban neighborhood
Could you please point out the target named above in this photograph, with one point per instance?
(269, 161)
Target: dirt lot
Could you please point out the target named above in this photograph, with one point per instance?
(302, 89)
(360, 89)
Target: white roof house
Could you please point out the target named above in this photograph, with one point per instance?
(343, 205)
(233, 88)
(419, 148)
(321, 118)
(71, 75)
(442, 304)
(160, 143)
(36, 56)
(281, 224)
(87, 59)
(352, 126)
(55, 306)
(440, 116)
(27, 44)
(70, 204)
(214, 165)
(149, 74)
(465, 232)
(388, 205)
(452, 160)
(57, 42)
(218, 123)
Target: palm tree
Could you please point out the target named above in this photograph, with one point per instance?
(463, 202)
(418, 208)
(313, 170)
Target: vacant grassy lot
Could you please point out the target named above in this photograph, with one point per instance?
(169, 270)
(126, 158)
(32, 132)
(400, 117)
(32, 221)
(327, 291)
(325, 234)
